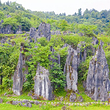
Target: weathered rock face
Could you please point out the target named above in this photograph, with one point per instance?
(6, 30)
(44, 31)
(81, 54)
(19, 75)
(94, 42)
(32, 32)
(97, 84)
(19, 31)
(70, 70)
(42, 85)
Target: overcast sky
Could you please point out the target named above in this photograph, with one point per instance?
(61, 6)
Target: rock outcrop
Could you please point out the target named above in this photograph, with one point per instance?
(97, 85)
(42, 85)
(82, 53)
(19, 31)
(19, 74)
(73, 97)
(6, 30)
(43, 31)
(70, 69)
(57, 32)
(94, 42)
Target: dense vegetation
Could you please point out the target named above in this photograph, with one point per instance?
(63, 22)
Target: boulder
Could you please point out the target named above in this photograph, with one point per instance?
(15, 102)
(57, 32)
(97, 85)
(80, 99)
(70, 69)
(73, 97)
(42, 85)
(28, 104)
(36, 102)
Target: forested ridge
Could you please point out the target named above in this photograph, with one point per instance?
(58, 21)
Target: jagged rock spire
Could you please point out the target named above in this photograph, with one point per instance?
(97, 84)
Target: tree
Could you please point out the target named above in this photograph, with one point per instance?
(57, 77)
(88, 30)
(1, 15)
(79, 12)
(63, 25)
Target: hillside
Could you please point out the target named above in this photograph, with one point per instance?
(49, 61)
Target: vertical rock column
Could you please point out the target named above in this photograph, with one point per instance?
(97, 84)
(70, 70)
(42, 85)
(19, 74)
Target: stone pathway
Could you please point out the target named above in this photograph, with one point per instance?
(65, 103)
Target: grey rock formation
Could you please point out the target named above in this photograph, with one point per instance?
(65, 33)
(16, 102)
(3, 40)
(8, 16)
(73, 97)
(97, 84)
(53, 33)
(57, 32)
(19, 74)
(19, 31)
(82, 53)
(80, 99)
(18, 77)
(44, 31)
(28, 104)
(70, 69)
(94, 42)
(42, 85)
(80, 34)
(6, 30)
(32, 32)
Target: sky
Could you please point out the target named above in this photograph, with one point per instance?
(63, 6)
